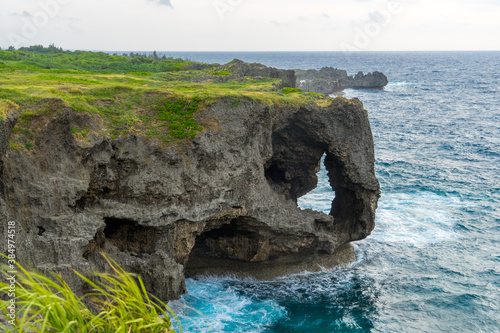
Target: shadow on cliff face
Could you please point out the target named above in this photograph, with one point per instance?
(246, 247)
(292, 169)
(126, 235)
(242, 239)
(129, 236)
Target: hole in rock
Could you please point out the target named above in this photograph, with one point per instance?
(128, 235)
(321, 197)
(275, 174)
(41, 230)
(241, 240)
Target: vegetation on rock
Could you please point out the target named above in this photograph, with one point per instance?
(144, 95)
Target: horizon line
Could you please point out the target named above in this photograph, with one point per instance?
(265, 51)
(295, 51)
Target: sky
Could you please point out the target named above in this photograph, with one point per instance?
(252, 25)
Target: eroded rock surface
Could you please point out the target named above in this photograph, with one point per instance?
(228, 198)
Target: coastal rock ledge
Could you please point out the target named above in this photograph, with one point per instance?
(225, 202)
(330, 80)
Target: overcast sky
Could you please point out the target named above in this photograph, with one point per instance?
(252, 25)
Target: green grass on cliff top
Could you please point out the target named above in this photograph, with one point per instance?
(149, 96)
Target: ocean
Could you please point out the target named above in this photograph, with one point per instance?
(432, 264)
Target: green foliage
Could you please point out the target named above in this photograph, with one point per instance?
(80, 132)
(6, 106)
(118, 303)
(53, 58)
(179, 115)
(66, 79)
(221, 73)
(130, 98)
(139, 73)
(15, 146)
(41, 49)
(288, 90)
(28, 145)
(234, 101)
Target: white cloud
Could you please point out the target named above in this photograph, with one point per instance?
(256, 24)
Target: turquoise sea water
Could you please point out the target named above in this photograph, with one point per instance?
(432, 263)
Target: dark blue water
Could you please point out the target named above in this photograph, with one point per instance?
(432, 263)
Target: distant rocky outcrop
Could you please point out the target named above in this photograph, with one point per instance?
(327, 80)
(258, 71)
(375, 80)
(225, 202)
(236, 70)
(330, 80)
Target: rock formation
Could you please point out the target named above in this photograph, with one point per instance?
(227, 198)
(329, 80)
(242, 69)
(326, 81)
(236, 70)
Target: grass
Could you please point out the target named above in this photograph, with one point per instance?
(6, 107)
(221, 73)
(131, 95)
(118, 303)
(178, 115)
(57, 60)
(288, 90)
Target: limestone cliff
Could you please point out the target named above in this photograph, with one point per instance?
(225, 200)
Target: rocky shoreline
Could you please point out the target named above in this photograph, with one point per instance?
(327, 80)
(330, 80)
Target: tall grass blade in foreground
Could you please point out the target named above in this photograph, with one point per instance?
(118, 303)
